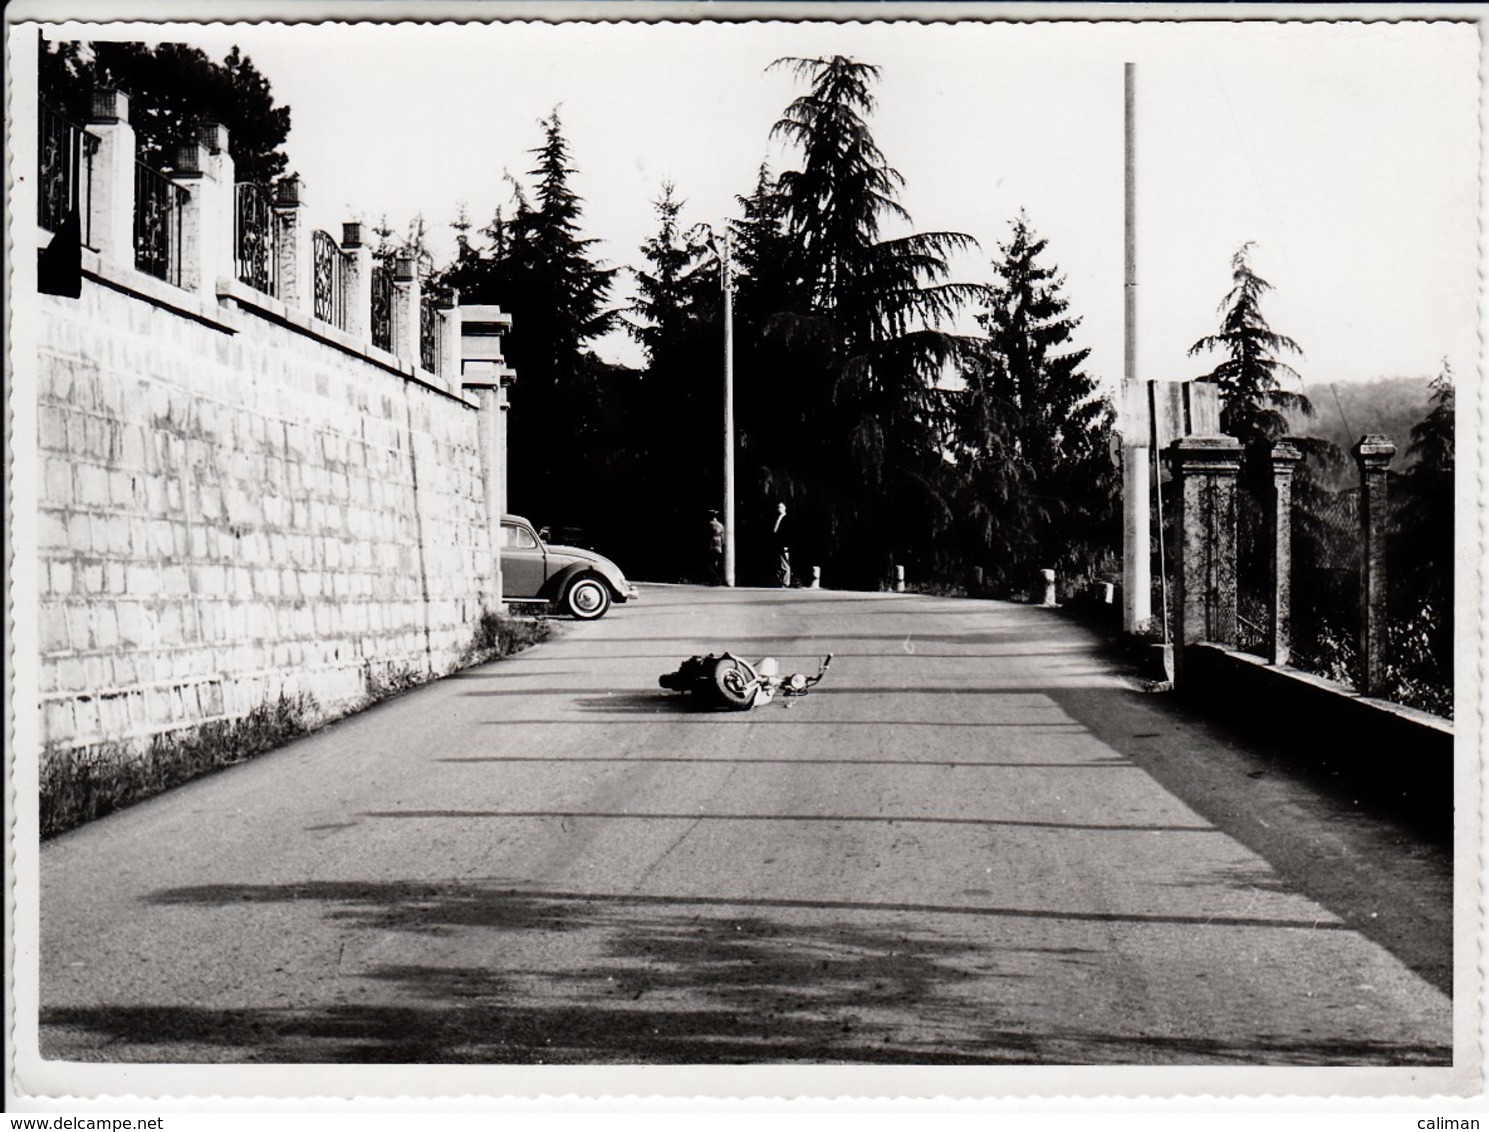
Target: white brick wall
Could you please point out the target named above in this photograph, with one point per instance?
(230, 511)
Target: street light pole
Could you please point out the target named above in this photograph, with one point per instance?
(1137, 571)
(729, 541)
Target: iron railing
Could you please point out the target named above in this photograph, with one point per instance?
(253, 238)
(328, 264)
(159, 208)
(1326, 582)
(64, 166)
(428, 331)
(1253, 571)
(382, 307)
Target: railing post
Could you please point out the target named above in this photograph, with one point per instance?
(205, 171)
(1373, 453)
(111, 213)
(447, 352)
(356, 281)
(1284, 459)
(1205, 593)
(292, 246)
(213, 136)
(484, 374)
(406, 309)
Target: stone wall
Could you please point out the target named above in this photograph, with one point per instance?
(238, 502)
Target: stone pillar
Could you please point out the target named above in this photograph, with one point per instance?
(483, 372)
(356, 281)
(447, 352)
(1279, 509)
(406, 309)
(1373, 453)
(508, 379)
(292, 246)
(111, 215)
(1205, 593)
(207, 210)
(213, 136)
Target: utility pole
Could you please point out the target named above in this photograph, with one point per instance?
(729, 540)
(1137, 572)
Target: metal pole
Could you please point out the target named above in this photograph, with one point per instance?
(729, 539)
(1137, 572)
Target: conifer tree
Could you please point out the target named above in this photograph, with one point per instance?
(1253, 403)
(678, 406)
(173, 86)
(859, 315)
(566, 404)
(1033, 430)
(1422, 566)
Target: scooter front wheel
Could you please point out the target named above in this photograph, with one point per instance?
(735, 683)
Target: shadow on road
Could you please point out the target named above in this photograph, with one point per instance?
(1387, 873)
(670, 980)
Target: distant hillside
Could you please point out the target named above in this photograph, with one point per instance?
(1347, 411)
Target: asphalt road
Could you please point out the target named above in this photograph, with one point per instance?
(976, 842)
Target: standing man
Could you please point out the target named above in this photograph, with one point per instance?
(715, 549)
(781, 535)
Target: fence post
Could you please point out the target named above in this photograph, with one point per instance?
(292, 246)
(405, 315)
(205, 170)
(1205, 593)
(484, 375)
(1373, 453)
(111, 215)
(447, 335)
(356, 281)
(1285, 458)
(219, 255)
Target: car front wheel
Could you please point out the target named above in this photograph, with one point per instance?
(587, 598)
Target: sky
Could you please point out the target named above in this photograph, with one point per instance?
(1349, 153)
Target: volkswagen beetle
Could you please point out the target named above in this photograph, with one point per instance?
(579, 581)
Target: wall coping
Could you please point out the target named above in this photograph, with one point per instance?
(236, 299)
(1323, 684)
(158, 292)
(255, 302)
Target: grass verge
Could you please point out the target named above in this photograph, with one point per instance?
(89, 782)
(80, 785)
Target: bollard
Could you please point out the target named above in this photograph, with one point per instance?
(899, 579)
(1049, 587)
(816, 582)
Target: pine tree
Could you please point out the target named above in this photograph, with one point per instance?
(1252, 402)
(675, 426)
(173, 86)
(567, 406)
(1423, 542)
(1033, 431)
(859, 316)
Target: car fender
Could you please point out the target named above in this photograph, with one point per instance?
(557, 584)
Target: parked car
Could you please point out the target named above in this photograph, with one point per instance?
(580, 581)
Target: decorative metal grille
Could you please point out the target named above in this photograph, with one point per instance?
(428, 331)
(330, 298)
(64, 165)
(382, 307)
(1253, 572)
(1326, 583)
(159, 205)
(253, 238)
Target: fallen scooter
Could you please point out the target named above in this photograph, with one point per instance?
(723, 680)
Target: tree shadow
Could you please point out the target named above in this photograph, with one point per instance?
(666, 982)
